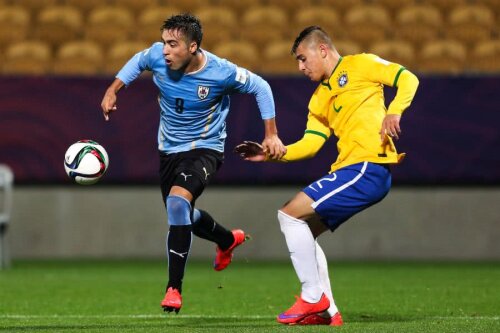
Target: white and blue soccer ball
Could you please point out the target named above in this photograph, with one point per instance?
(86, 161)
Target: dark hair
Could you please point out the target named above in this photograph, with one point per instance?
(188, 24)
(315, 31)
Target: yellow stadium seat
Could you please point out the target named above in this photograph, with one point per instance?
(293, 7)
(367, 23)
(135, 6)
(14, 24)
(398, 51)
(27, 58)
(418, 23)
(120, 53)
(442, 57)
(341, 6)
(264, 24)
(33, 6)
(58, 24)
(393, 6)
(471, 23)
(78, 58)
(278, 60)
(324, 16)
(243, 54)
(485, 57)
(85, 6)
(347, 47)
(445, 6)
(150, 21)
(219, 25)
(109, 24)
(240, 6)
(186, 6)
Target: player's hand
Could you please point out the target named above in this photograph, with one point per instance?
(250, 151)
(273, 147)
(390, 127)
(108, 104)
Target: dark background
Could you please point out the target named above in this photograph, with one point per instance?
(450, 133)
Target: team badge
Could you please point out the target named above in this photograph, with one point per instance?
(203, 92)
(342, 79)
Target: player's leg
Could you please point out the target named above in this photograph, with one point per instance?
(204, 226)
(302, 248)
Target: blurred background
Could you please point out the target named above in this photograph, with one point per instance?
(57, 57)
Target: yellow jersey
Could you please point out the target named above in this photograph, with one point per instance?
(350, 105)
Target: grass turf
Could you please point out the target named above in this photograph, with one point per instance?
(124, 296)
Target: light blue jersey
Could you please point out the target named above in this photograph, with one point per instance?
(194, 106)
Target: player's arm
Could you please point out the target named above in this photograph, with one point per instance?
(307, 147)
(245, 81)
(397, 76)
(406, 85)
(132, 69)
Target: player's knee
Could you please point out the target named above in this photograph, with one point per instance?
(178, 210)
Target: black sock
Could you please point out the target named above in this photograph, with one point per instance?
(208, 229)
(178, 245)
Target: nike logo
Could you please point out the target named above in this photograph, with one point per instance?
(182, 255)
(206, 173)
(185, 176)
(337, 110)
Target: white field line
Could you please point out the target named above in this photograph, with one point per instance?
(195, 316)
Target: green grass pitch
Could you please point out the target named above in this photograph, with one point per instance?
(124, 296)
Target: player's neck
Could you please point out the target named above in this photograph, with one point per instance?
(196, 63)
(332, 62)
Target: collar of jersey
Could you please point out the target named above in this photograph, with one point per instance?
(326, 82)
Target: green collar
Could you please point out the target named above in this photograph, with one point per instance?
(327, 83)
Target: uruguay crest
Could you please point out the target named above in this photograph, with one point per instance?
(203, 92)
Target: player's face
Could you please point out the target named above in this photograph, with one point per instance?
(176, 51)
(311, 61)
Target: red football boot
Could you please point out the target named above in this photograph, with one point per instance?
(223, 257)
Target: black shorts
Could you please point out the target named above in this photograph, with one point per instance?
(191, 170)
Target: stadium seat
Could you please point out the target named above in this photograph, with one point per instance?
(324, 16)
(264, 24)
(14, 24)
(442, 57)
(219, 25)
(293, 7)
(367, 23)
(398, 51)
(242, 53)
(276, 59)
(418, 23)
(240, 6)
(109, 24)
(485, 57)
(471, 23)
(444, 6)
(347, 47)
(120, 53)
(150, 21)
(394, 5)
(186, 6)
(135, 6)
(341, 6)
(33, 6)
(78, 58)
(27, 58)
(84, 6)
(58, 24)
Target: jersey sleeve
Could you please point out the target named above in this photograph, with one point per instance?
(241, 80)
(136, 65)
(393, 75)
(315, 136)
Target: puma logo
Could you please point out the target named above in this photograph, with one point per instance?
(185, 176)
(182, 255)
(206, 173)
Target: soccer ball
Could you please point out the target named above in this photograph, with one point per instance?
(85, 162)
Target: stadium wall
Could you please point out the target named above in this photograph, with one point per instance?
(436, 223)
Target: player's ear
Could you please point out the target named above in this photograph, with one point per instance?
(193, 47)
(323, 50)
